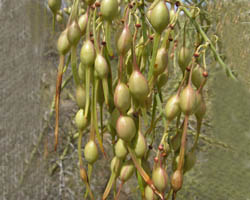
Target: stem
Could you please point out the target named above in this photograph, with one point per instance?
(107, 37)
(57, 98)
(109, 186)
(119, 191)
(212, 47)
(53, 23)
(120, 68)
(74, 65)
(105, 90)
(199, 122)
(165, 42)
(87, 79)
(94, 33)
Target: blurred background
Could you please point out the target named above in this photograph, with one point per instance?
(28, 65)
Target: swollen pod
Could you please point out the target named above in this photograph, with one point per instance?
(121, 149)
(80, 96)
(188, 100)
(160, 178)
(63, 44)
(87, 54)
(127, 171)
(161, 61)
(122, 98)
(109, 9)
(74, 33)
(197, 77)
(81, 120)
(184, 58)
(124, 42)
(125, 128)
(140, 145)
(172, 108)
(54, 5)
(91, 152)
(101, 66)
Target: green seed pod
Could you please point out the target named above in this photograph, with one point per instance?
(81, 120)
(177, 180)
(91, 152)
(121, 149)
(188, 100)
(201, 108)
(82, 22)
(138, 86)
(160, 178)
(149, 194)
(127, 171)
(109, 9)
(125, 41)
(74, 33)
(125, 128)
(172, 108)
(89, 2)
(59, 18)
(63, 45)
(161, 61)
(162, 79)
(184, 58)
(176, 142)
(101, 67)
(80, 96)
(190, 160)
(54, 5)
(115, 165)
(197, 77)
(140, 145)
(87, 54)
(122, 98)
(159, 17)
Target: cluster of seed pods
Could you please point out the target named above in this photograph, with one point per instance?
(131, 90)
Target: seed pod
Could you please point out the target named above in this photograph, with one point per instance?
(127, 171)
(87, 54)
(162, 79)
(190, 160)
(74, 33)
(176, 142)
(63, 45)
(125, 41)
(149, 194)
(91, 152)
(121, 149)
(109, 9)
(138, 86)
(80, 96)
(177, 180)
(54, 5)
(201, 109)
(188, 100)
(122, 98)
(101, 66)
(115, 165)
(125, 128)
(160, 178)
(59, 18)
(161, 61)
(184, 58)
(172, 108)
(82, 22)
(81, 120)
(140, 145)
(197, 77)
(159, 17)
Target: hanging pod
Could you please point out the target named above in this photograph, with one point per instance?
(115, 165)
(140, 145)
(176, 141)
(109, 9)
(74, 33)
(161, 61)
(127, 171)
(122, 98)
(121, 149)
(184, 58)
(124, 42)
(201, 109)
(80, 96)
(197, 77)
(162, 79)
(91, 152)
(54, 5)
(87, 54)
(159, 17)
(82, 22)
(149, 194)
(81, 120)
(188, 100)
(125, 128)
(63, 44)
(138, 86)
(177, 180)
(190, 160)
(172, 108)
(160, 179)
(101, 67)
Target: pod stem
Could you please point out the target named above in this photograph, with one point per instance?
(57, 97)
(87, 79)
(105, 90)
(109, 185)
(143, 173)
(140, 182)
(119, 191)
(155, 49)
(54, 23)
(169, 193)
(120, 76)
(99, 138)
(199, 122)
(88, 22)
(165, 42)
(107, 37)
(88, 189)
(135, 65)
(94, 33)
(183, 144)
(74, 65)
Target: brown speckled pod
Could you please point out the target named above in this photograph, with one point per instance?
(177, 180)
